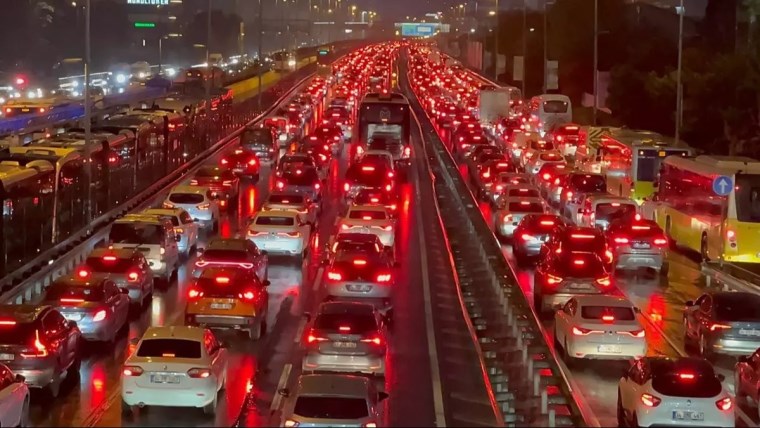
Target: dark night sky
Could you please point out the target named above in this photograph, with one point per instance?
(397, 9)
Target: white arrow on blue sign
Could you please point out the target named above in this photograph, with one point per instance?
(722, 185)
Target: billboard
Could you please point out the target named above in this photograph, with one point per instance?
(418, 30)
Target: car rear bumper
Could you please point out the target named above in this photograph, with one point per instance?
(735, 347)
(134, 395)
(293, 246)
(340, 289)
(633, 260)
(233, 322)
(580, 348)
(373, 364)
(36, 378)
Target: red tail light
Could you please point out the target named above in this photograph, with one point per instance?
(383, 277)
(252, 162)
(580, 331)
(70, 300)
(193, 182)
(621, 240)
(608, 318)
(334, 276)
(38, 350)
(650, 400)
(99, 315)
(388, 187)
(547, 176)
(634, 333)
(375, 340)
(313, 336)
(199, 373)
(724, 404)
(132, 371)
(660, 241)
(280, 185)
(731, 235)
(317, 186)
(83, 273)
(686, 376)
(716, 326)
(346, 187)
(194, 293)
(133, 276)
(225, 161)
(553, 280)
(604, 281)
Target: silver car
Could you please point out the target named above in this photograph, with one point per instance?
(638, 243)
(346, 337)
(280, 232)
(301, 180)
(197, 201)
(360, 275)
(509, 212)
(184, 227)
(127, 268)
(333, 400)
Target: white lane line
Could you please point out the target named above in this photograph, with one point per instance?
(277, 401)
(318, 279)
(435, 374)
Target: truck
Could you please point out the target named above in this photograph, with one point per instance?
(494, 103)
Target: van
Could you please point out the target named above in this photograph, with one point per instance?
(548, 111)
(599, 210)
(154, 237)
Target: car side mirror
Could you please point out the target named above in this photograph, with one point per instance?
(177, 238)
(72, 324)
(721, 377)
(382, 396)
(124, 290)
(19, 378)
(689, 303)
(267, 283)
(743, 359)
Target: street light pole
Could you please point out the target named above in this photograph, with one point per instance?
(260, 48)
(596, 58)
(160, 53)
(524, 43)
(546, 50)
(87, 112)
(679, 85)
(208, 62)
(496, 45)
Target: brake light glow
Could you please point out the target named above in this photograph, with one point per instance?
(582, 236)
(621, 240)
(225, 161)
(724, 404)
(526, 237)
(38, 348)
(546, 223)
(731, 235)
(377, 340)
(360, 262)
(388, 187)
(313, 337)
(547, 176)
(7, 322)
(368, 168)
(252, 162)
(650, 400)
(635, 333)
(280, 185)
(334, 276)
(660, 241)
(716, 326)
(580, 331)
(133, 276)
(247, 295)
(194, 293)
(384, 277)
(109, 258)
(604, 281)
(83, 273)
(132, 371)
(608, 318)
(579, 262)
(553, 280)
(199, 373)
(222, 280)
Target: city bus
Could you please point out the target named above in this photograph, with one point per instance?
(387, 116)
(630, 159)
(695, 217)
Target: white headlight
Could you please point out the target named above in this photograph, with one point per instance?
(141, 75)
(31, 94)
(292, 62)
(75, 84)
(120, 78)
(171, 72)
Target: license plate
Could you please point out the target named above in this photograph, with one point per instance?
(344, 344)
(164, 378)
(358, 287)
(612, 349)
(25, 110)
(688, 415)
(641, 245)
(7, 357)
(749, 332)
(574, 286)
(221, 306)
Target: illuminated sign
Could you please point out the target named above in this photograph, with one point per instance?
(149, 2)
(145, 25)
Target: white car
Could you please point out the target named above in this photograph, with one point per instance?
(599, 327)
(14, 399)
(280, 232)
(378, 157)
(373, 219)
(175, 366)
(197, 201)
(184, 226)
(540, 159)
(291, 201)
(681, 391)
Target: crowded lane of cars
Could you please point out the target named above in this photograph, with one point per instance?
(607, 283)
(259, 288)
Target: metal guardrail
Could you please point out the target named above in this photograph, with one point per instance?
(730, 276)
(528, 384)
(82, 243)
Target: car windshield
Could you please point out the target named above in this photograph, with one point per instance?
(619, 313)
(615, 211)
(17, 333)
(299, 177)
(685, 378)
(367, 215)
(226, 255)
(275, 221)
(736, 307)
(186, 198)
(555, 106)
(74, 293)
(136, 233)
(169, 348)
(109, 264)
(322, 407)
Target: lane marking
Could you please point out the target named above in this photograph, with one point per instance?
(318, 279)
(284, 377)
(435, 374)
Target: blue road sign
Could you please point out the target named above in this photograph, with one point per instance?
(417, 30)
(722, 185)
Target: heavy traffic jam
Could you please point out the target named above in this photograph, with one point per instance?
(580, 210)
(190, 291)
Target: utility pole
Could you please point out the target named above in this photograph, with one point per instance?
(496, 45)
(261, 48)
(160, 53)
(546, 49)
(596, 58)
(679, 85)
(208, 62)
(87, 113)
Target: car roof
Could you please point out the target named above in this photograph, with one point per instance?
(367, 208)
(276, 213)
(93, 279)
(602, 300)
(227, 244)
(177, 332)
(333, 384)
(121, 253)
(186, 188)
(22, 313)
(356, 308)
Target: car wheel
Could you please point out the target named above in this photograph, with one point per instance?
(620, 412)
(664, 269)
(254, 333)
(54, 388)
(635, 421)
(126, 409)
(569, 359)
(210, 408)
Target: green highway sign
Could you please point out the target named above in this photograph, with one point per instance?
(324, 51)
(145, 25)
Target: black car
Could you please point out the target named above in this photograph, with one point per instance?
(234, 252)
(723, 322)
(260, 140)
(560, 276)
(243, 162)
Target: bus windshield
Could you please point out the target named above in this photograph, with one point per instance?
(748, 198)
(386, 118)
